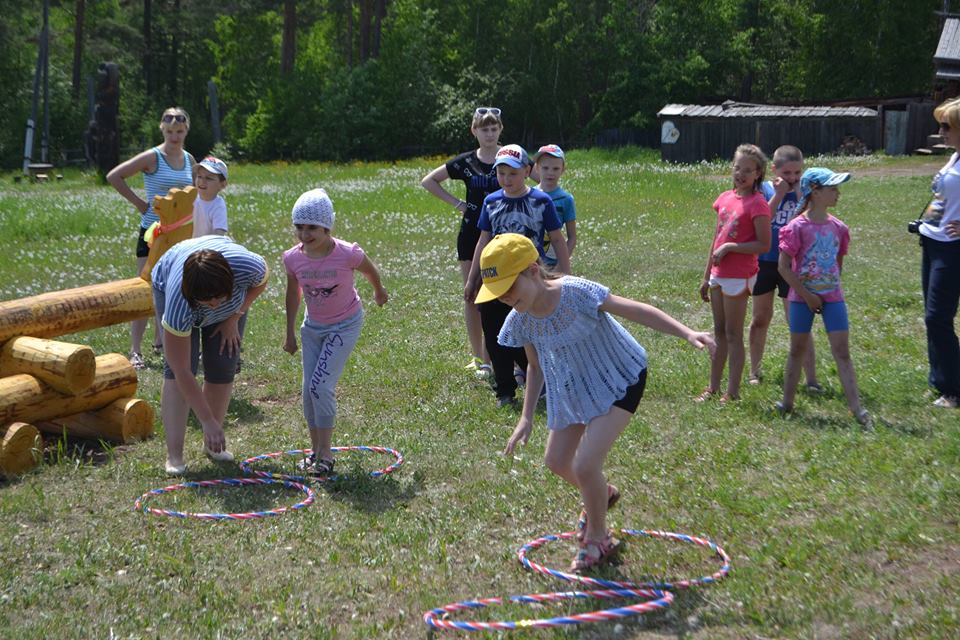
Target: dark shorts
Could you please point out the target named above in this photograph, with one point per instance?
(768, 279)
(467, 239)
(218, 368)
(142, 249)
(631, 399)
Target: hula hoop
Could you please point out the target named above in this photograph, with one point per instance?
(233, 482)
(661, 592)
(303, 453)
(612, 584)
(663, 599)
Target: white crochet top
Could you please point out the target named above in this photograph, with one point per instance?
(588, 358)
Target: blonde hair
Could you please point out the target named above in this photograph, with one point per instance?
(175, 111)
(753, 152)
(949, 112)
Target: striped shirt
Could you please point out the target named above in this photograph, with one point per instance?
(161, 181)
(179, 318)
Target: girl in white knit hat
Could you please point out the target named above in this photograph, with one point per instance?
(321, 269)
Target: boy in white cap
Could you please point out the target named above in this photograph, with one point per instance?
(514, 208)
(551, 163)
(320, 267)
(210, 209)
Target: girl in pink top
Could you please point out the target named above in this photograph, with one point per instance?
(812, 247)
(743, 232)
(320, 268)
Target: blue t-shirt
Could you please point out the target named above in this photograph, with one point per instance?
(778, 219)
(179, 318)
(567, 212)
(532, 215)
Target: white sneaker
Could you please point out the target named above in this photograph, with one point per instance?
(218, 456)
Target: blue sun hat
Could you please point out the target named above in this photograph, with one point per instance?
(818, 177)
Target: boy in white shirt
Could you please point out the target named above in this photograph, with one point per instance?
(210, 209)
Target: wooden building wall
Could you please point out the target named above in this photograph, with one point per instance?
(709, 138)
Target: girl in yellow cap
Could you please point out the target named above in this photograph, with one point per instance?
(595, 371)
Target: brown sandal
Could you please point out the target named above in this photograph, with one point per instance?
(613, 495)
(593, 553)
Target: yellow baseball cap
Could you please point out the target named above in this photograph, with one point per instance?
(502, 260)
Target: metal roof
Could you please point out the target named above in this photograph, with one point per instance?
(948, 49)
(731, 109)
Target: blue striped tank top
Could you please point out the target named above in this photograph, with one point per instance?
(161, 181)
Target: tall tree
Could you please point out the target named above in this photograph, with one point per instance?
(288, 49)
(79, 13)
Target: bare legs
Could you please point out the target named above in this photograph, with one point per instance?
(840, 348)
(760, 323)
(472, 319)
(320, 442)
(174, 411)
(139, 327)
(577, 454)
(729, 313)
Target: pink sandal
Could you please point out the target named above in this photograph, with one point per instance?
(593, 553)
(613, 495)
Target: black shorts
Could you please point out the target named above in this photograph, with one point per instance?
(467, 239)
(768, 279)
(143, 250)
(218, 368)
(631, 399)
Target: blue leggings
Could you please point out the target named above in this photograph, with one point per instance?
(325, 349)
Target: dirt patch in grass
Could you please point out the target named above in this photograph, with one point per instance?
(926, 168)
(911, 574)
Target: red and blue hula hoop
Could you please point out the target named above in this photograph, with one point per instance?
(303, 453)
(435, 617)
(232, 482)
(662, 593)
(612, 584)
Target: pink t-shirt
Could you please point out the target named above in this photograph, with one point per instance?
(735, 216)
(327, 283)
(815, 248)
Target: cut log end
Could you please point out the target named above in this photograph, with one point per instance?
(21, 449)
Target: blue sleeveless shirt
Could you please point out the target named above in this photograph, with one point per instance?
(161, 181)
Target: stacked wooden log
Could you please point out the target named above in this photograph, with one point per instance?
(59, 387)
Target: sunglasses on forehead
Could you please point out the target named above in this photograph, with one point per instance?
(482, 111)
(173, 117)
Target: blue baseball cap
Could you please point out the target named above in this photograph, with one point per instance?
(549, 150)
(512, 155)
(820, 177)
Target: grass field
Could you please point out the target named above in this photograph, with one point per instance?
(833, 532)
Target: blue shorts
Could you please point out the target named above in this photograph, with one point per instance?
(834, 317)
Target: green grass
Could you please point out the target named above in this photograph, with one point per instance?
(833, 532)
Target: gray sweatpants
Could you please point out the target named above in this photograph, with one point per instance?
(325, 349)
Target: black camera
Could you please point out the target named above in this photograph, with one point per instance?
(914, 225)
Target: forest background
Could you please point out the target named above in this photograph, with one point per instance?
(384, 79)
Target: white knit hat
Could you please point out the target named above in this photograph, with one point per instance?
(314, 207)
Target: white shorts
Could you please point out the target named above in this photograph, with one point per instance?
(733, 286)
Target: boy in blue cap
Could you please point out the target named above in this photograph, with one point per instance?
(551, 163)
(514, 208)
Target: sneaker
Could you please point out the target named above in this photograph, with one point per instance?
(782, 409)
(949, 402)
(754, 379)
(137, 361)
(814, 388)
(506, 401)
(218, 456)
(865, 419)
(175, 469)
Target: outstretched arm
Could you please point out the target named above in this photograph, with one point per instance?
(531, 395)
(658, 320)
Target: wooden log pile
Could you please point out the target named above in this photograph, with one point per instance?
(57, 387)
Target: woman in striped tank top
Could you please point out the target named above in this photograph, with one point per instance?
(164, 167)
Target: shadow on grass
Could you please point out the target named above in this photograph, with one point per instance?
(373, 495)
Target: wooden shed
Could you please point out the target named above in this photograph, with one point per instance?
(691, 133)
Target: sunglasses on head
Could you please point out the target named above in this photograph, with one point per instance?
(945, 126)
(173, 117)
(482, 111)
